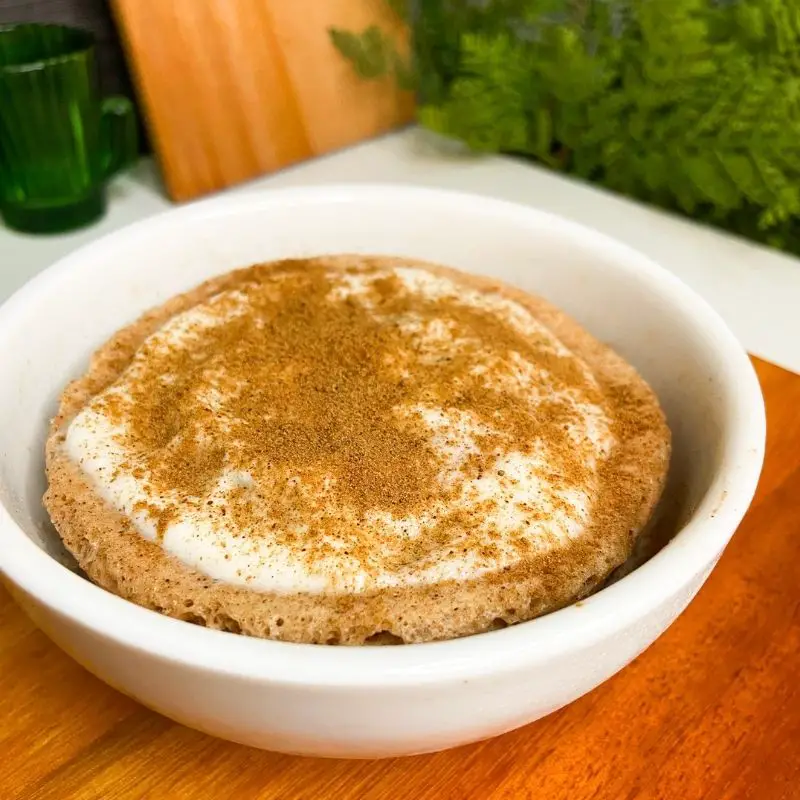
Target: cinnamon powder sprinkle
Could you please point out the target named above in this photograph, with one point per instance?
(310, 396)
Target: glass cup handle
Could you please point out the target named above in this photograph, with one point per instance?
(118, 134)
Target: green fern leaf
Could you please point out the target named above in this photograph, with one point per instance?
(370, 52)
(712, 182)
(399, 7)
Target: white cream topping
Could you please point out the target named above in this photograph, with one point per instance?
(518, 482)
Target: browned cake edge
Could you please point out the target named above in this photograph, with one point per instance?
(115, 556)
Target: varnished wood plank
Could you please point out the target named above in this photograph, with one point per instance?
(336, 108)
(37, 677)
(783, 426)
(235, 88)
(711, 710)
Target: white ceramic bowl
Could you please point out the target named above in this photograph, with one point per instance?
(375, 701)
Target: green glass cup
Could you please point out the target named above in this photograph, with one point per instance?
(59, 141)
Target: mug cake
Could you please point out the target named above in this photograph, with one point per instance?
(355, 450)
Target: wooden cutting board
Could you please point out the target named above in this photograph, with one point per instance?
(235, 88)
(711, 710)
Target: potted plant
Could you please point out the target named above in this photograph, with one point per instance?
(693, 105)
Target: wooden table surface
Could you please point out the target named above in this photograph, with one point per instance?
(712, 710)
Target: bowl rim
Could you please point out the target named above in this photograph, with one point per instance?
(692, 552)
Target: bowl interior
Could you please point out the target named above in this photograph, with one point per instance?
(49, 330)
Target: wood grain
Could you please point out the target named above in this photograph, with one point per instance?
(712, 710)
(235, 88)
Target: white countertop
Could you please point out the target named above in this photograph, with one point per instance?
(757, 290)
